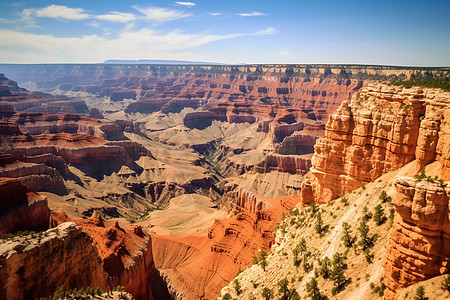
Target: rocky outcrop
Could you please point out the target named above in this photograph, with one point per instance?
(293, 164)
(382, 129)
(43, 123)
(35, 266)
(197, 267)
(20, 209)
(23, 100)
(127, 257)
(419, 244)
(239, 200)
(297, 144)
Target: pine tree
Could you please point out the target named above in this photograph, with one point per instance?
(267, 293)
(337, 273)
(378, 216)
(312, 289)
(445, 284)
(320, 228)
(298, 252)
(263, 259)
(420, 293)
(237, 286)
(324, 269)
(347, 239)
(367, 241)
(283, 288)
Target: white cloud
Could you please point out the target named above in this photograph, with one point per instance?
(284, 53)
(188, 4)
(94, 24)
(158, 14)
(268, 31)
(215, 13)
(59, 12)
(93, 48)
(116, 16)
(252, 14)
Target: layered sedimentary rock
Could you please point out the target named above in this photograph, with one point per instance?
(126, 256)
(34, 267)
(20, 209)
(419, 244)
(24, 100)
(382, 129)
(197, 267)
(293, 164)
(40, 123)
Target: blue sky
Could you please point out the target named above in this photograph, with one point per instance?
(229, 31)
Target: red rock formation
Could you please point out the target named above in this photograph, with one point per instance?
(39, 123)
(20, 209)
(293, 164)
(34, 267)
(298, 144)
(127, 257)
(419, 243)
(24, 100)
(197, 267)
(381, 130)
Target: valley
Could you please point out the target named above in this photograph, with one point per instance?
(170, 180)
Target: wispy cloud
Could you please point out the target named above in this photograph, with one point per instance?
(60, 12)
(64, 13)
(188, 4)
(116, 16)
(268, 31)
(284, 53)
(215, 13)
(252, 14)
(128, 44)
(159, 14)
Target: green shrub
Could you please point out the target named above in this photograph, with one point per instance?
(267, 293)
(420, 293)
(237, 286)
(379, 217)
(337, 273)
(347, 239)
(445, 284)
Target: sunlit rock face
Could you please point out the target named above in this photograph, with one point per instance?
(380, 130)
(419, 243)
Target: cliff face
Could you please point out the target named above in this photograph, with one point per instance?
(19, 209)
(35, 267)
(197, 267)
(419, 243)
(126, 256)
(382, 129)
(25, 100)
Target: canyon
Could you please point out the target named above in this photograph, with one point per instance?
(170, 180)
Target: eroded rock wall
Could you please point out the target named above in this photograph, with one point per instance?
(35, 267)
(380, 130)
(419, 243)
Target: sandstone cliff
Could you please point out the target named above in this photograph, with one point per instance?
(380, 130)
(20, 209)
(197, 267)
(33, 267)
(419, 243)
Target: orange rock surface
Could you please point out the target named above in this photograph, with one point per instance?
(382, 129)
(36, 266)
(126, 256)
(198, 267)
(419, 243)
(20, 209)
